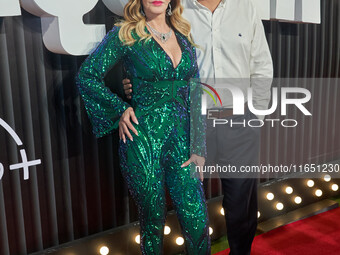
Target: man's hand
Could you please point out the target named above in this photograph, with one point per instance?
(198, 161)
(125, 124)
(127, 88)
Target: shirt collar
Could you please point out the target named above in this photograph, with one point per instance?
(222, 3)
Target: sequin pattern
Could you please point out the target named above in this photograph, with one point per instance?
(152, 160)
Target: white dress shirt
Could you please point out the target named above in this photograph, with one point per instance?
(232, 45)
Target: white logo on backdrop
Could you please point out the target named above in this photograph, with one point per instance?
(25, 164)
(64, 31)
(9, 8)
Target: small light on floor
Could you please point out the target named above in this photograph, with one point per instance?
(211, 231)
(289, 190)
(327, 178)
(318, 193)
(179, 241)
(104, 250)
(222, 211)
(335, 187)
(279, 206)
(137, 239)
(270, 196)
(258, 214)
(167, 230)
(310, 183)
(298, 200)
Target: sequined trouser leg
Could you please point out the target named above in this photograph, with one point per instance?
(152, 162)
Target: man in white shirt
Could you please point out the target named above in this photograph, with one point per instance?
(233, 46)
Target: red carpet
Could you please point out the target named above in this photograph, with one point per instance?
(319, 234)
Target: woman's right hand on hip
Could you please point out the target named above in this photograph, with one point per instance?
(125, 124)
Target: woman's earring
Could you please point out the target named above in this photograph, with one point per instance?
(169, 11)
(142, 11)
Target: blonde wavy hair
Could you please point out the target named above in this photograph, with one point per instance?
(135, 21)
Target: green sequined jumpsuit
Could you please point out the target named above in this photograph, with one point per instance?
(152, 160)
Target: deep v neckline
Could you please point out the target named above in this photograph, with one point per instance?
(166, 54)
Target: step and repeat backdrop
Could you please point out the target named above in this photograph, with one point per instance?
(58, 182)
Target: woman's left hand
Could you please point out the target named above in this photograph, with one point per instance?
(198, 161)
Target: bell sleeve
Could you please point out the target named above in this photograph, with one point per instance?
(103, 107)
(198, 121)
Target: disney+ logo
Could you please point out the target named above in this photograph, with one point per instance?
(25, 163)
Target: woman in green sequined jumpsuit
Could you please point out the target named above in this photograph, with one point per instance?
(152, 160)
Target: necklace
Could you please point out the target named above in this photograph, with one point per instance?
(164, 37)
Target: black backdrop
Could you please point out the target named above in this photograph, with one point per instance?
(78, 189)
